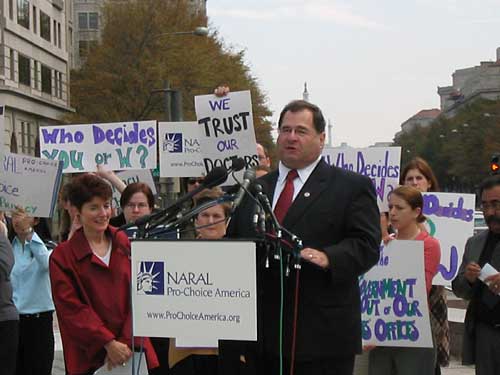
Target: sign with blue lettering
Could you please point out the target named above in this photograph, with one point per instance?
(380, 164)
(394, 310)
(196, 302)
(180, 149)
(227, 129)
(117, 146)
(450, 219)
(30, 183)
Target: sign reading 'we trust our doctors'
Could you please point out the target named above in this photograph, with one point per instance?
(227, 129)
(197, 302)
(117, 146)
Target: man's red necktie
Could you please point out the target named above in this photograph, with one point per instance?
(286, 196)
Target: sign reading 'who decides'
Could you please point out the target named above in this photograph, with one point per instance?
(117, 146)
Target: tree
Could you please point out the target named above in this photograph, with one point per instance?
(459, 149)
(123, 75)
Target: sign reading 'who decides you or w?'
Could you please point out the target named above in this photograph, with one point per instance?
(117, 146)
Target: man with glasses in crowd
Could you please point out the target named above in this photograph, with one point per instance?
(481, 343)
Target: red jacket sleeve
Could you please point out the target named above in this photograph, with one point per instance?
(432, 257)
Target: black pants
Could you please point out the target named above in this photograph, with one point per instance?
(9, 335)
(160, 346)
(36, 344)
(325, 366)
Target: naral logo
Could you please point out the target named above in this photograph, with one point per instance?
(172, 142)
(150, 278)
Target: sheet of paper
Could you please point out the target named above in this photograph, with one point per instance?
(140, 363)
(486, 271)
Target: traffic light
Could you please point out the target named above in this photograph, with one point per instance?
(495, 164)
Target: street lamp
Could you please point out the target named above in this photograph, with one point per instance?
(198, 31)
(173, 112)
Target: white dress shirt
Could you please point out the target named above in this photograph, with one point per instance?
(298, 183)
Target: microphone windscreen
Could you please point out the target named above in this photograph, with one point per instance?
(215, 177)
(237, 164)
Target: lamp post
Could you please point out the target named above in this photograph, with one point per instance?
(173, 112)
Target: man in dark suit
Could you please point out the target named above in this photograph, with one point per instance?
(481, 344)
(335, 214)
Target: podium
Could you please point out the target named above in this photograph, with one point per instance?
(198, 292)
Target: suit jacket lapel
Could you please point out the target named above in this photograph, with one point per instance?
(478, 245)
(311, 191)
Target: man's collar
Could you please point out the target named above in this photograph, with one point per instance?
(304, 173)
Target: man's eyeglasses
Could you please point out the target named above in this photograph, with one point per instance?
(495, 205)
(193, 181)
(141, 205)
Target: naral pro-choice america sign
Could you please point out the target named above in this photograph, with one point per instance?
(196, 291)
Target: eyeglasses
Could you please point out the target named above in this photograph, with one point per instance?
(193, 181)
(140, 205)
(495, 205)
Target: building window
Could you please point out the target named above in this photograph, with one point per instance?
(93, 21)
(11, 9)
(46, 80)
(37, 75)
(12, 65)
(85, 47)
(59, 35)
(88, 21)
(24, 69)
(28, 138)
(23, 13)
(44, 26)
(55, 32)
(58, 84)
(34, 20)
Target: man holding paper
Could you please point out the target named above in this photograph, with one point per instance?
(478, 280)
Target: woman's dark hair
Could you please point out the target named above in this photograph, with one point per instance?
(413, 197)
(84, 188)
(137, 187)
(424, 168)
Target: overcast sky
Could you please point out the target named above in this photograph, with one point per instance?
(369, 65)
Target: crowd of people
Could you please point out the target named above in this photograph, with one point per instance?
(86, 278)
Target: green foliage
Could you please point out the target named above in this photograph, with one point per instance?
(139, 54)
(459, 149)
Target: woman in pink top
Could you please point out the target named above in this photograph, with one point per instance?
(405, 213)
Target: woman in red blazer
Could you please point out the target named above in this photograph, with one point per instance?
(90, 277)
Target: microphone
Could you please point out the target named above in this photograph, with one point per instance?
(248, 177)
(264, 200)
(215, 177)
(237, 165)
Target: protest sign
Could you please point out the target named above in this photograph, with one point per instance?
(227, 130)
(128, 177)
(30, 183)
(450, 219)
(381, 164)
(117, 146)
(180, 149)
(394, 309)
